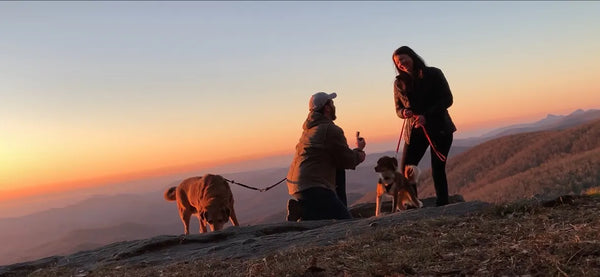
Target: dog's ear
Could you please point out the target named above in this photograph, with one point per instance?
(395, 162)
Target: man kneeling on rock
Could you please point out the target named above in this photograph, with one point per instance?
(322, 149)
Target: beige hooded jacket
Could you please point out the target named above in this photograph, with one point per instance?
(321, 150)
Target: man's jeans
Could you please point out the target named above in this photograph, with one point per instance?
(321, 203)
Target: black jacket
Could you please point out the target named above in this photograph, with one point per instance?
(428, 94)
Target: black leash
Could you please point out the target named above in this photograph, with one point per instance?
(249, 187)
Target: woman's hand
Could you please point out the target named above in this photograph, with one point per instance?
(419, 120)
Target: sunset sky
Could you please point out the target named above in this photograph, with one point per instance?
(97, 90)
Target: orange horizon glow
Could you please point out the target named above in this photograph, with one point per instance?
(92, 181)
(165, 163)
(41, 185)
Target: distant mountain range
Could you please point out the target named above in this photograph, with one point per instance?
(550, 122)
(542, 164)
(500, 145)
(555, 155)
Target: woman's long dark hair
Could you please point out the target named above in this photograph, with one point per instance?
(418, 62)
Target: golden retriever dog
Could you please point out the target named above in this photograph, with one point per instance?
(402, 187)
(209, 197)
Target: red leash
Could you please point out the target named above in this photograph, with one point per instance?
(437, 153)
(400, 139)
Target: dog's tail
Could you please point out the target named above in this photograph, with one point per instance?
(170, 194)
(411, 172)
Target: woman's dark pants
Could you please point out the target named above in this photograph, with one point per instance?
(414, 152)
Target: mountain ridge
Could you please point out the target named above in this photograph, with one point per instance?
(550, 122)
(491, 163)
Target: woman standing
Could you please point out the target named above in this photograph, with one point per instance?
(422, 97)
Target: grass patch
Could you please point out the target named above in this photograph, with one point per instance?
(592, 191)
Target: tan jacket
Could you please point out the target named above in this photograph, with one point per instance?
(321, 150)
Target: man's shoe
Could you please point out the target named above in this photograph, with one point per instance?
(294, 210)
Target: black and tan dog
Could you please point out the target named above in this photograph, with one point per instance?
(402, 187)
(209, 197)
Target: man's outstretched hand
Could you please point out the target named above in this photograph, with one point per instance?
(360, 142)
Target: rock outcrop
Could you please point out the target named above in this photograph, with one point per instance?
(240, 242)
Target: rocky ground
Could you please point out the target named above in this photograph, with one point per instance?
(241, 242)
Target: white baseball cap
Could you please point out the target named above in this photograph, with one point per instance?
(319, 99)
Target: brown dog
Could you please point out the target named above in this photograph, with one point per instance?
(209, 197)
(401, 187)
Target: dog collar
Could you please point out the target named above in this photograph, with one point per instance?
(387, 187)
